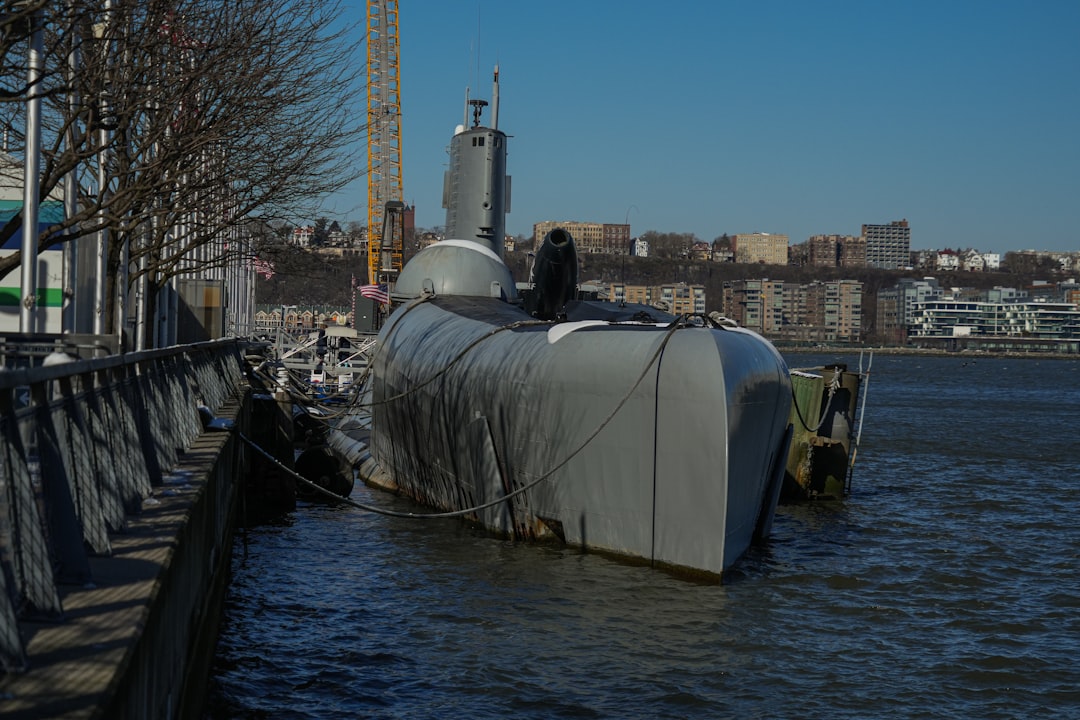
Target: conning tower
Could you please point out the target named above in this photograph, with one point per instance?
(476, 195)
(476, 188)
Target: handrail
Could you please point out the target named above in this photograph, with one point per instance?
(14, 377)
(81, 450)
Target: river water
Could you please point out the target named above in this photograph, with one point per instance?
(946, 585)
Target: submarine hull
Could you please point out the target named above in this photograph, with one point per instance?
(650, 440)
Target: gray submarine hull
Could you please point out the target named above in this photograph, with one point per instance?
(649, 439)
(611, 427)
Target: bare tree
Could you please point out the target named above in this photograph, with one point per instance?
(669, 245)
(188, 118)
(16, 25)
(1030, 263)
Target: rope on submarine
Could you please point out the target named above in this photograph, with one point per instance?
(296, 391)
(677, 324)
(712, 320)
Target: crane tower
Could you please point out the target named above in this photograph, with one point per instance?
(384, 135)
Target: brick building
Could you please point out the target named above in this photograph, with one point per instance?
(589, 238)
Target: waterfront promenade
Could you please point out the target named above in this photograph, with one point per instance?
(125, 631)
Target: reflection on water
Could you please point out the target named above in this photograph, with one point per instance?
(945, 586)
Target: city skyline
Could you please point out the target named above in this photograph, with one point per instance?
(791, 118)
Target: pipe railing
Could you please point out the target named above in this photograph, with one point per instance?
(82, 444)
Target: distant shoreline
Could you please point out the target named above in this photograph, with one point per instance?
(887, 350)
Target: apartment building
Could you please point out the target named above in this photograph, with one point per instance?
(813, 312)
(1071, 294)
(1024, 325)
(836, 251)
(683, 298)
(589, 238)
(760, 247)
(888, 246)
(839, 305)
(896, 306)
(755, 304)
(678, 298)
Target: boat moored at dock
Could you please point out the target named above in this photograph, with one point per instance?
(613, 427)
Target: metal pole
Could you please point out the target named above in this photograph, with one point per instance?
(101, 265)
(142, 287)
(31, 176)
(122, 281)
(123, 276)
(249, 284)
(68, 320)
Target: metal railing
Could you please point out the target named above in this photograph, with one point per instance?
(82, 444)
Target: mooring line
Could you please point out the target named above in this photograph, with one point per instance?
(676, 325)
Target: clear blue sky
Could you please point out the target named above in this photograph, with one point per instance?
(788, 117)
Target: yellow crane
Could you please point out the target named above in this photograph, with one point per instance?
(384, 137)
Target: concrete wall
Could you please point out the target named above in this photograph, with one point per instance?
(166, 673)
(138, 640)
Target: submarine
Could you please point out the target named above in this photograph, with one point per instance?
(612, 427)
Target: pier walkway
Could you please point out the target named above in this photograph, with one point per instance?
(117, 511)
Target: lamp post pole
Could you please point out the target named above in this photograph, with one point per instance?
(31, 176)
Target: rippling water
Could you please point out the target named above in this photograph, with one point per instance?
(946, 585)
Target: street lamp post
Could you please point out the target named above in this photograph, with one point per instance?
(31, 179)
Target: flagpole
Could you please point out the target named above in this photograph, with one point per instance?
(72, 297)
(31, 176)
(101, 259)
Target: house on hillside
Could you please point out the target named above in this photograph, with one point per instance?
(948, 260)
(972, 261)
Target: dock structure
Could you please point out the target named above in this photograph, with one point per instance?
(119, 483)
(332, 357)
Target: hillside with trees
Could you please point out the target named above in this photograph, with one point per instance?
(302, 277)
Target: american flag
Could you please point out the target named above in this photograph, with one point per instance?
(263, 267)
(378, 293)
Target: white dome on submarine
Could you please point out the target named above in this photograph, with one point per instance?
(456, 267)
